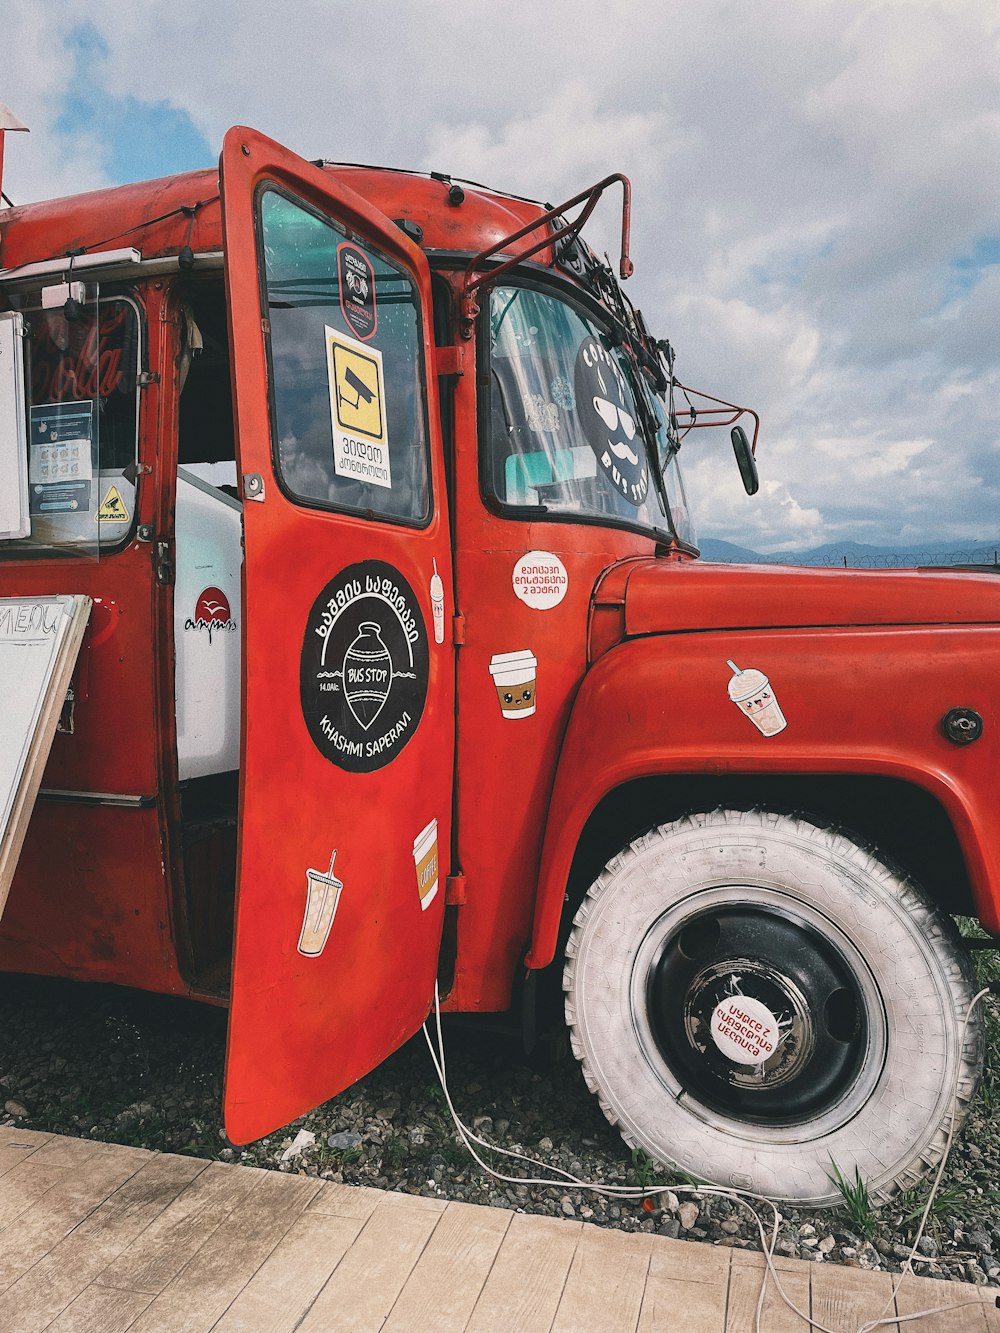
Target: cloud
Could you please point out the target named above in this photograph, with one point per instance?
(814, 219)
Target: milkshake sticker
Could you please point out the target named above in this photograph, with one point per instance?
(212, 614)
(608, 415)
(751, 692)
(514, 676)
(357, 411)
(540, 580)
(322, 896)
(425, 859)
(357, 290)
(363, 671)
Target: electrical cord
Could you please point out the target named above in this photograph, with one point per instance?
(742, 1198)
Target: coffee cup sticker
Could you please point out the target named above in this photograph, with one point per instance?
(514, 676)
(540, 580)
(425, 859)
(752, 693)
(322, 896)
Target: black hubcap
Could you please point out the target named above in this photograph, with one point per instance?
(757, 1014)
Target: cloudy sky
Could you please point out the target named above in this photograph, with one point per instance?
(815, 222)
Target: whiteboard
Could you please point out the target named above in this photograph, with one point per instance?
(39, 642)
(14, 520)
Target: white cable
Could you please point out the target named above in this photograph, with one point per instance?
(737, 1196)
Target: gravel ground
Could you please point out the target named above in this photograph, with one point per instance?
(120, 1066)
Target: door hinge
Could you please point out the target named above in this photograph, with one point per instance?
(164, 563)
(454, 891)
(253, 486)
(450, 360)
(147, 377)
(458, 629)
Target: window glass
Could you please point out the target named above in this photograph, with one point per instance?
(345, 351)
(83, 412)
(569, 416)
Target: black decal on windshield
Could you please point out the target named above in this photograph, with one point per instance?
(610, 422)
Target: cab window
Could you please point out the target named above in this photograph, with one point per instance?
(82, 370)
(573, 429)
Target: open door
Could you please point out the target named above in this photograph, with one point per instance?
(348, 679)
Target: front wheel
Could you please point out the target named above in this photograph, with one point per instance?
(761, 1001)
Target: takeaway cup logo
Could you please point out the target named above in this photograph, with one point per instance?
(608, 415)
(212, 614)
(364, 664)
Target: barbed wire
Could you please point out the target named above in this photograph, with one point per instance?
(979, 556)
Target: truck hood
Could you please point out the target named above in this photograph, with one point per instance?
(671, 596)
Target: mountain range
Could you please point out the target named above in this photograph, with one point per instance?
(857, 555)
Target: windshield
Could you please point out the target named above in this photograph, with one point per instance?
(570, 418)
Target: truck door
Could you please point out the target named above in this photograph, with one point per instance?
(348, 681)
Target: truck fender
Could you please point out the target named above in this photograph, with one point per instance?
(661, 705)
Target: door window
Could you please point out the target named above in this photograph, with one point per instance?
(348, 411)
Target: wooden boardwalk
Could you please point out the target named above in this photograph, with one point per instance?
(98, 1238)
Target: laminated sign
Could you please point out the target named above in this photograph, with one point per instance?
(357, 410)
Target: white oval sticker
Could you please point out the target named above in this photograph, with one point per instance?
(540, 580)
(744, 1030)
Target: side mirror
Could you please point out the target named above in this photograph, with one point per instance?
(745, 460)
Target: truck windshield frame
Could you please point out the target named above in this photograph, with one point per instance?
(570, 430)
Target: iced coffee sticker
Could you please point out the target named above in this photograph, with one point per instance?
(540, 580)
(437, 604)
(323, 891)
(514, 676)
(425, 860)
(752, 693)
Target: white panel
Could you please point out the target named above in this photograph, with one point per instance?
(209, 555)
(14, 520)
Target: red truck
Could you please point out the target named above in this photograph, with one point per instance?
(397, 666)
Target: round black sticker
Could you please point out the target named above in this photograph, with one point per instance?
(607, 413)
(363, 675)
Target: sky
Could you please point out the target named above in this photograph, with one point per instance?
(815, 225)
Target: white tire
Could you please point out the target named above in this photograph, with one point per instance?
(705, 933)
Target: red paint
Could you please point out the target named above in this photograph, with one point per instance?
(630, 682)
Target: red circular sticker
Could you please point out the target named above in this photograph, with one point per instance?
(212, 605)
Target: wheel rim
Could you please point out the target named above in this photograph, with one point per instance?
(766, 964)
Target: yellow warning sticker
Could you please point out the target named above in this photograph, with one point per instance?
(113, 508)
(357, 410)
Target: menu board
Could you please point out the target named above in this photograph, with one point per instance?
(39, 642)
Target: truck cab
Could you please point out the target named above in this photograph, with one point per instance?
(400, 670)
